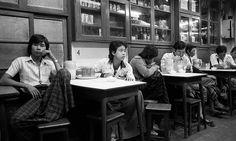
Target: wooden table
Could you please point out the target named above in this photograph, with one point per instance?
(5, 92)
(228, 74)
(103, 90)
(183, 79)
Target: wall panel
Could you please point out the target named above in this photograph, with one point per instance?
(14, 28)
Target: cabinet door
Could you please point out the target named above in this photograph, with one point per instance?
(195, 30)
(118, 19)
(89, 19)
(184, 28)
(141, 20)
(191, 6)
(162, 21)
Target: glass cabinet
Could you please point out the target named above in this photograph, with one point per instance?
(189, 5)
(140, 17)
(151, 21)
(210, 25)
(90, 17)
(101, 19)
(118, 12)
(189, 29)
(163, 21)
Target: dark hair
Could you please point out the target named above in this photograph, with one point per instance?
(189, 48)
(149, 52)
(233, 49)
(113, 47)
(221, 49)
(179, 45)
(36, 39)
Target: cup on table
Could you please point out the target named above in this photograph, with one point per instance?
(71, 67)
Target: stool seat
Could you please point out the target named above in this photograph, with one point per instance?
(188, 100)
(57, 123)
(58, 126)
(158, 107)
(112, 119)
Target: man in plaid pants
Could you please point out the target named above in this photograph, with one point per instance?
(47, 85)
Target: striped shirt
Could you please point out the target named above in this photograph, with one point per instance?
(29, 72)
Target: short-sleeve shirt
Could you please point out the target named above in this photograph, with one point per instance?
(29, 72)
(105, 67)
(215, 60)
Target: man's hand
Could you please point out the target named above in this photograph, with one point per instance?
(129, 78)
(33, 91)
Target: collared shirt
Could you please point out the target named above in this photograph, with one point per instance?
(215, 60)
(29, 72)
(170, 60)
(105, 67)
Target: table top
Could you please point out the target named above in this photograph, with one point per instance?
(105, 83)
(8, 91)
(218, 70)
(184, 75)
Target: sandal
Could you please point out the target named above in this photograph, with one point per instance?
(154, 133)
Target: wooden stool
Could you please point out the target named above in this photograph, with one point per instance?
(155, 109)
(191, 104)
(57, 126)
(112, 119)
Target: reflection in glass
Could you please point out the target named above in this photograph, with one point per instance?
(162, 5)
(214, 33)
(162, 35)
(204, 31)
(184, 4)
(184, 29)
(117, 19)
(195, 5)
(195, 30)
(140, 23)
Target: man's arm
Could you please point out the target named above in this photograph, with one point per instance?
(7, 80)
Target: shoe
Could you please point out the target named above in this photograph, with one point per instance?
(208, 122)
(154, 133)
(217, 112)
(221, 107)
(155, 127)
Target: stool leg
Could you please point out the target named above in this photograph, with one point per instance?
(190, 120)
(149, 125)
(120, 133)
(40, 136)
(167, 126)
(91, 131)
(198, 117)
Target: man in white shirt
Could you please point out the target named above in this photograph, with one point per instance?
(221, 60)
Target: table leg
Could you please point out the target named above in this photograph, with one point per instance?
(185, 109)
(230, 96)
(139, 114)
(203, 104)
(3, 123)
(104, 117)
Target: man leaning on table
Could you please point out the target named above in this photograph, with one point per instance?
(221, 60)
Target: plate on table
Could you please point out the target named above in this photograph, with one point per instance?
(87, 77)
